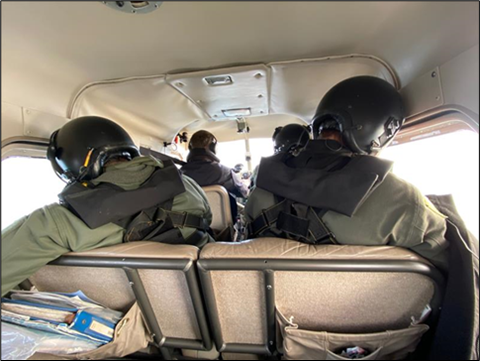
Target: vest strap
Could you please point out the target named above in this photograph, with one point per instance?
(307, 227)
(162, 225)
(184, 219)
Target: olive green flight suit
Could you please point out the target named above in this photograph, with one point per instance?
(395, 213)
(51, 231)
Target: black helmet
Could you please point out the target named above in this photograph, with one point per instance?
(203, 140)
(291, 138)
(368, 111)
(80, 149)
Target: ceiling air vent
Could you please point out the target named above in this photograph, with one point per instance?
(134, 7)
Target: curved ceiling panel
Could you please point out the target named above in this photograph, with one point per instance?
(147, 107)
(158, 107)
(298, 86)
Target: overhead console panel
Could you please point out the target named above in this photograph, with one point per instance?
(227, 93)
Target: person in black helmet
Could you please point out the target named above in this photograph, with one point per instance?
(288, 140)
(204, 167)
(337, 191)
(113, 195)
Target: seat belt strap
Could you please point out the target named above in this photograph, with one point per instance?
(265, 220)
(187, 220)
(292, 224)
(310, 228)
(319, 230)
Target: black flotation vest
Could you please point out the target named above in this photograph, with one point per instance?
(305, 191)
(204, 168)
(145, 213)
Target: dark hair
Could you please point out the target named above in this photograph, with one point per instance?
(331, 134)
(116, 160)
(202, 139)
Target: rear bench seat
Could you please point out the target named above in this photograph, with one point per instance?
(161, 277)
(341, 289)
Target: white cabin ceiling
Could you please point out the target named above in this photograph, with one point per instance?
(50, 50)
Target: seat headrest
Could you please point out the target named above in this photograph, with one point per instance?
(280, 248)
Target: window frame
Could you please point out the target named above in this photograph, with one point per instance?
(430, 127)
(435, 122)
(28, 147)
(438, 121)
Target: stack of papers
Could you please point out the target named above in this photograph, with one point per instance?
(67, 314)
(76, 300)
(20, 343)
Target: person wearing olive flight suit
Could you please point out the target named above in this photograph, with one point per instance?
(337, 191)
(113, 195)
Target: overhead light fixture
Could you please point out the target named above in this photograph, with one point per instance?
(134, 7)
(218, 80)
(237, 113)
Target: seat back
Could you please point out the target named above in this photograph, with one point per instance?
(219, 201)
(160, 277)
(343, 289)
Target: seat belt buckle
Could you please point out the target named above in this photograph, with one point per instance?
(249, 229)
(265, 219)
(258, 225)
(329, 237)
(183, 220)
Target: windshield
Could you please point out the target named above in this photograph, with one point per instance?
(234, 152)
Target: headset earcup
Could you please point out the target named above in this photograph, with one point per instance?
(213, 147)
(308, 128)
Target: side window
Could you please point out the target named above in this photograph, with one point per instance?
(444, 164)
(27, 184)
